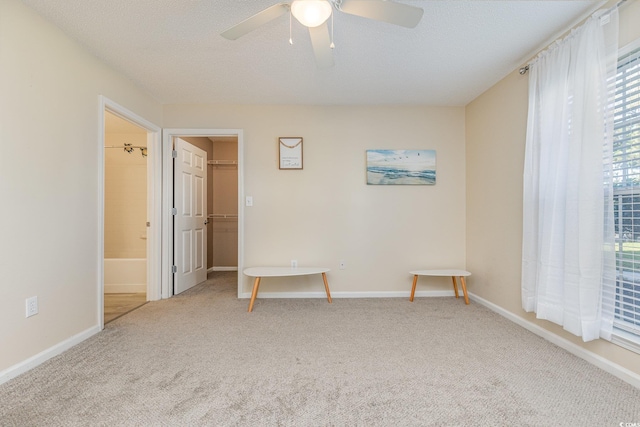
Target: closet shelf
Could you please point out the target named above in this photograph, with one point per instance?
(222, 162)
(222, 216)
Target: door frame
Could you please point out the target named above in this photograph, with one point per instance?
(167, 197)
(154, 199)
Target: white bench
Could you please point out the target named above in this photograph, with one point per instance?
(260, 272)
(442, 273)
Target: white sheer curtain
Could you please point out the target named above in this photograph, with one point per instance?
(568, 259)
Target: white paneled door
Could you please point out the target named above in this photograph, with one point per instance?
(190, 202)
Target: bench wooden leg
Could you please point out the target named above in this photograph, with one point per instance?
(413, 288)
(254, 293)
(455, 286)
(464, 290)
(326, 286)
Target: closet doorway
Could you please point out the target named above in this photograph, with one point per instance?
(221, 201)
(125, 216)
(224, 208)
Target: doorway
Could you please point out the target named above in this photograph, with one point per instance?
(221, 200)
(125, 216)
(224, 214)
(137, 252)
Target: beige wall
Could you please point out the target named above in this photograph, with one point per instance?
(50, 144)
(125, 197)
(495, 138)
(326, 212)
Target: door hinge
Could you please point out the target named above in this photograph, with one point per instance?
(174, 154)
(148, 224)
(174, 268)
(174, 211)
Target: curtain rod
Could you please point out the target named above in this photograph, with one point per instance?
(129, 148)
(524, 69)
(124, 146)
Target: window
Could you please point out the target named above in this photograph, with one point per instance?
(626, 193)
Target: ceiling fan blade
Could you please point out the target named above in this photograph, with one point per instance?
(321, 42)
(385, 11)
(260, 18)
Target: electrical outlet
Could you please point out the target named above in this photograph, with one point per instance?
(343, 265)
(32, 306)
(294, 263)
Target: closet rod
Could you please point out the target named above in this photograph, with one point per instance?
(129, 148)
(124, 146)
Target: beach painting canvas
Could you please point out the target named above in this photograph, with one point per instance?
(401, 167)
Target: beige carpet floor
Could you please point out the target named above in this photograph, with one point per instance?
(199, 359)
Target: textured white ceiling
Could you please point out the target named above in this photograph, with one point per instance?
(173, 50)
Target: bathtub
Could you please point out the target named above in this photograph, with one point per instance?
(125, 275)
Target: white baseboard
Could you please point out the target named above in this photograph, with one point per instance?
(606, 365)
(125, 288)
(222, 269)
(45, 355)
(322, 294)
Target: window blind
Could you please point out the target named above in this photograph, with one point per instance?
(626, 190)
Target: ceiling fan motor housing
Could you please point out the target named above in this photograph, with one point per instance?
(311, 13)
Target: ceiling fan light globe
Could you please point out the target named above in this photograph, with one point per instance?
(311, 13)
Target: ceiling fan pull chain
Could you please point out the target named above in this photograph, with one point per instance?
(332, 46)
(290, 36)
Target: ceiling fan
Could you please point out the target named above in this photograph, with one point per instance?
(315, 13)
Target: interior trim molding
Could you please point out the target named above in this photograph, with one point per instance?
(30, 363)
(613, 368)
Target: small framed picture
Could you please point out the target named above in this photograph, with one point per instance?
(290, 152)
